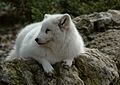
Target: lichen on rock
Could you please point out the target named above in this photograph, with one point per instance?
(91, 68)
(96, 68)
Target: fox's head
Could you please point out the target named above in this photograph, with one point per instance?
(54, 29)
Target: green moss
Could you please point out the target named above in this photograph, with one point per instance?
(14, 73)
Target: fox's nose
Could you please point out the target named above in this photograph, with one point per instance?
(36, 40)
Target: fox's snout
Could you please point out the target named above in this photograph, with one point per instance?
(36, 40)
(39, 41)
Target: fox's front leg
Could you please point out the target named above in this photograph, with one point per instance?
(46, 65)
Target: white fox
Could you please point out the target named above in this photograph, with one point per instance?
(52, 40)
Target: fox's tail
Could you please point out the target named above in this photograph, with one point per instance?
(12, 55)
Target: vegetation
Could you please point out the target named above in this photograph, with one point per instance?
(33, 10)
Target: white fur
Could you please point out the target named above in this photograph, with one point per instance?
(64, 44)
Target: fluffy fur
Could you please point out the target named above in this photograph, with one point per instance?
(52, 40)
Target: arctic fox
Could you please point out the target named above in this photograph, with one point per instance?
(52, 40)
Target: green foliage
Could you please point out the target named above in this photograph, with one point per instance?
(34, 10)
(6, 7)
(73, 7)
(77, 7)
(41, 7)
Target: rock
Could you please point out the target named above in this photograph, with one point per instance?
(102, 31)
(97, 22)
(91, 68)
(96, 68)
(115, 16)
(109, 43)
(94, 22)
(20, 72)
(7, 43)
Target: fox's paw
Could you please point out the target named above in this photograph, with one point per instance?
(65, 66)
(68, 62)
(49, 70)
(49, 74)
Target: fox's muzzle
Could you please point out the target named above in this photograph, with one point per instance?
(36, 40)
(41, 43)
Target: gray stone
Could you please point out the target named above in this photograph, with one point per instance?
(96, 68)
(91, 68)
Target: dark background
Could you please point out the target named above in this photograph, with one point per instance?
(14, 14)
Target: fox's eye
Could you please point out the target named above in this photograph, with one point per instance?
(47, 30)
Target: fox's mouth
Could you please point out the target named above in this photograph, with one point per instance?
(42, 43)
(39, 43)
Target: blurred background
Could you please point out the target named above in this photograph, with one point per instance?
(15, 14)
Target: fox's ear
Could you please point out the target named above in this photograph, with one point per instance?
(64, 21)
(46, 15)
